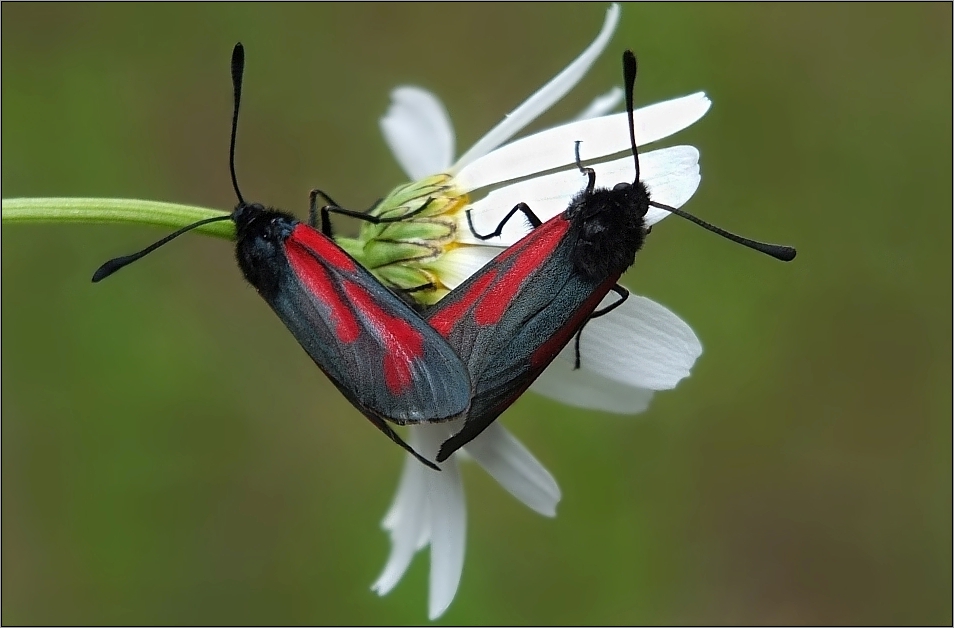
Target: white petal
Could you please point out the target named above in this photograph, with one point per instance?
(461, 262)
(546, 96)
(671, 175)
(600, 137)
(585, 389)
(419, 132)
(415, 513)
(445, 493)
(602, 105)
(406, 519)
(408, 486)
(515, 468)
(640, 343)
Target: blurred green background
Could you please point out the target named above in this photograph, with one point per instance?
(171, 456)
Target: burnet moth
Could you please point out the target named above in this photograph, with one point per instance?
(375, 349)
(511, 319)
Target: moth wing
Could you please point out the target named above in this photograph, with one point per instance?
(509, 320)
(372, 345)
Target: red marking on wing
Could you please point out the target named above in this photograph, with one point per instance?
(323, 247)
(533, 251)
(547, 351)
(317, 281)
(445, 319)
(401, 341)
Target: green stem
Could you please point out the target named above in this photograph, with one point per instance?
(114, 210)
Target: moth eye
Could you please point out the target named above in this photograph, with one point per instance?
(621, 186)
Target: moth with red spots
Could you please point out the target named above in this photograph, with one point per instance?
(375, 349)
(509, 320)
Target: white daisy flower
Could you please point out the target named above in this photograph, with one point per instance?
(653, 348)
(638, 348)
(429, 507)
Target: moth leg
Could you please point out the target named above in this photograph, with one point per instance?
(375, 220)
(523, 208)
(405, 294)
(390, 433)
(421, 288)
(330, 202)
(332, 207)
(623, 294)
(314, 212)
(589, 172)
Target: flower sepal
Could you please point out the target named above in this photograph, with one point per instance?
(399, 253)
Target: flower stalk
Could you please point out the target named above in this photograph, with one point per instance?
(114, 210)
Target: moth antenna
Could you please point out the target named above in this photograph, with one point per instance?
(238, 69)
(778, 251)
(629, 79)
(116, 263)
(110, 267)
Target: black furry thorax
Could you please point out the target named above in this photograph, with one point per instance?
(260, 244)
(609, 227)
